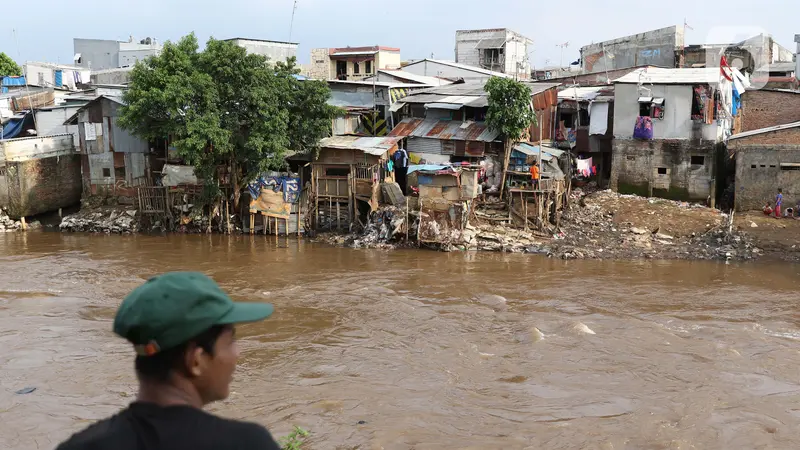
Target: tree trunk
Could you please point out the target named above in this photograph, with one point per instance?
(235, 184)
(508, 146)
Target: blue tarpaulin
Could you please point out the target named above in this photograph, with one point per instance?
(426, 167)
(13, 81)
(13, 128)
(59, 78)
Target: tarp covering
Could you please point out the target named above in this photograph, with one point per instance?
(274, 195)
(425, 168)
(13, 81)
(13, 128)
(177, 175)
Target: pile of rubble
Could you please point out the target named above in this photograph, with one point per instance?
(7, 224)
(607, 225)
(107, 220)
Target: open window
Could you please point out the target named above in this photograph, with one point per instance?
(651, 107)
(698, 161)
(368, 67)
(356, 68)
(645, 106)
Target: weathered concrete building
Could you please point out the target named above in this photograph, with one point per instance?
(39, 174)
(274, 50)
(352, 63)
(99, 54)
(660, 48)
(451, 70)
(668, 124)
(750, 55)
(118, 76)
(496, 49)
(766, 159)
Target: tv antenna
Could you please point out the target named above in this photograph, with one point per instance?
(291, 24)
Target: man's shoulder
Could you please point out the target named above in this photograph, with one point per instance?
(117, 432)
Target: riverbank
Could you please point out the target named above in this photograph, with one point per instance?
(607, 225)
(596, 225)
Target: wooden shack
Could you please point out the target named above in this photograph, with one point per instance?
(345, 179)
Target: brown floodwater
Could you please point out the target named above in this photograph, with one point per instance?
(417, 349)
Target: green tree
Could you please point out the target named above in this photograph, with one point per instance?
(224, 107)
(8, 67)
(510, 112)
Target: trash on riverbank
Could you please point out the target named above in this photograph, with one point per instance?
(108, 220)
(7, 224)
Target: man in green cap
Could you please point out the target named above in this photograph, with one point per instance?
(181, 325)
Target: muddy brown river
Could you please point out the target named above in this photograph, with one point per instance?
(417, 349)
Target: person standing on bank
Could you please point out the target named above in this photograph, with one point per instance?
(400, 159)
(181, 325)
(778, 203)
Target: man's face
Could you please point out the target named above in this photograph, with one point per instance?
(213, 374)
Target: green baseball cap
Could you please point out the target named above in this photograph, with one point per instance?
(170, 309)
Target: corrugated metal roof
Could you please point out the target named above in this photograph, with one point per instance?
(470, 94)
(583, 93)
(371, 145)
(764, 130)
(657, 75)
(491, 43)
(445, 129)
(421, 79)
(532, 150)
(462, 66)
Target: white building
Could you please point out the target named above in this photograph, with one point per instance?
(55, 75)
(496, 49)
(99, 54)
(274, 50)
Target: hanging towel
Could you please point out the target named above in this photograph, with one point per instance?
(598, 118)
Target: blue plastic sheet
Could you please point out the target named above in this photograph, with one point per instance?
(13, 128)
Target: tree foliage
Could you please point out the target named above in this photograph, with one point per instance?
(510, 110)
(225, 107)
(8, 67)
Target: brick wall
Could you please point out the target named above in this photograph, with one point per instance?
(762, 109)
(663, 168)
(788, 136)
(41, 185)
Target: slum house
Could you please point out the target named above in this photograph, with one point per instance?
(38, 174)
(446, 195)
(114, 162)
(446, 124)
(585, 127)
(451, 70)
(766, 159)
(368, 105)
(668, 124)
(534, 203)
(352, 63)
(345, 179)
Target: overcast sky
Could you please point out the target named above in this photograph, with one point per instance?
(419, 27)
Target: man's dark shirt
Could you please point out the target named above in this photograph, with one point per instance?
(145, 426)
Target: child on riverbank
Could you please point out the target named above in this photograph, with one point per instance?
(778, 203)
